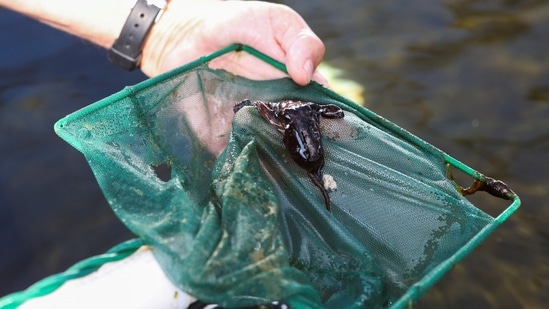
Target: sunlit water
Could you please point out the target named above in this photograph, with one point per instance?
(470, 77)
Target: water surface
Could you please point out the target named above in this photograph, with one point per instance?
(472, 78)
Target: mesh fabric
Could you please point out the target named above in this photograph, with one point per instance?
(238, 223)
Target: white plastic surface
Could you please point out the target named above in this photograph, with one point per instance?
(135, 282)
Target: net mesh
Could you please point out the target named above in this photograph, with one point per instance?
(233, 220)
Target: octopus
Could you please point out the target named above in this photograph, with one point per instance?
(299, 123)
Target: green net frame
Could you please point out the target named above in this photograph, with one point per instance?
(413, 293)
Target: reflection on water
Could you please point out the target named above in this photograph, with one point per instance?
(52, 213)
(471, 77)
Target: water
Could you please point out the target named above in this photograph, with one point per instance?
(52, 213)
(470, 77)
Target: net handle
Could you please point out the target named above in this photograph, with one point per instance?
(198, 62)
(241, 47)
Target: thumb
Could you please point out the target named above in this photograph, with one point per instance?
(304, 53)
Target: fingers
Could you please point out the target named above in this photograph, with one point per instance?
(304, 50)
(319, 78)
(304, 54)
(188, 30)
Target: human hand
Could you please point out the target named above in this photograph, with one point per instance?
(188, 30)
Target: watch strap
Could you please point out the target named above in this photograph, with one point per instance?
(126, 50)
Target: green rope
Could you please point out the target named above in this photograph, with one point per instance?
(80, 269)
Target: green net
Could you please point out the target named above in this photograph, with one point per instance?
(233, 220)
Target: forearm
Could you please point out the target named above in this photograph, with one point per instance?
(188, 29)
(98, 21)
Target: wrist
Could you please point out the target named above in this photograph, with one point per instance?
(163, 32)
(156, 42)
(126, 50)
(171, 38)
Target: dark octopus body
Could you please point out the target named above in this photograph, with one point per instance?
(299, 123)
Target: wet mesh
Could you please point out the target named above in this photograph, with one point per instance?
(244, 225)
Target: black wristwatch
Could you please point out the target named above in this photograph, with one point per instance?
(126, 50)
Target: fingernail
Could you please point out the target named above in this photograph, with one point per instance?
(321, 79)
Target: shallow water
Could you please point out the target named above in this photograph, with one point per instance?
(470, 77)
(52, 213)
